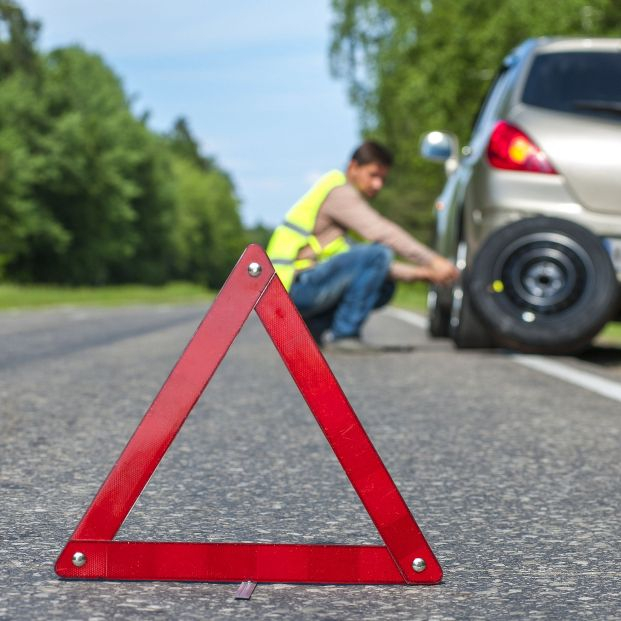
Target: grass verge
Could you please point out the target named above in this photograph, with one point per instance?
(610, 335)
(38, 296)
(412, 296)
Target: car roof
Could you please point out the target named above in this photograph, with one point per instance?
(578, 44)
(561, 44)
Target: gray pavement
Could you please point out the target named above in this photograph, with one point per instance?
(513, 476)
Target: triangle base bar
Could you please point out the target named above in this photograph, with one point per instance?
(231, 562)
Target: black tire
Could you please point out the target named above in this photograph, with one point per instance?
(439, 315)
(465, 327)
(543, 285)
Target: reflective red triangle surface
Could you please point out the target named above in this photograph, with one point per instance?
(92, 552)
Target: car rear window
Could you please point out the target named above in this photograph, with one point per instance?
(578, 82)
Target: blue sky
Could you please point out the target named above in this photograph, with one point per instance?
(252, 78)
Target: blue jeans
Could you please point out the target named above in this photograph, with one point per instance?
(339, 294)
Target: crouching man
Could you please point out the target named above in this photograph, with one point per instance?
(334, 282)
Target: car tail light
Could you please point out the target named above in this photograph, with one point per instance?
(511, 149)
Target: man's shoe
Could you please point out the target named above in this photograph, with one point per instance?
(355, 345)
(349, 345)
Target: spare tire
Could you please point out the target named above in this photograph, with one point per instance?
(439, 316)
(543, 285)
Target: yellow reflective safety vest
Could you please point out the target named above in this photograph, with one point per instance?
(296, 232)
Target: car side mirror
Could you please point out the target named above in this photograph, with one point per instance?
(441, 147)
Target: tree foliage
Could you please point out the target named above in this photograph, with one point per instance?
(417, 66)
(88, 193)
(17, 39)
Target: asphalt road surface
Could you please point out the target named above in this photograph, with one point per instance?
(511, 472)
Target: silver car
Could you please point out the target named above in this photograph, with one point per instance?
(531, 209)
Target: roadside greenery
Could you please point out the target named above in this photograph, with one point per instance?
(414, 67)
(611, 334)
(412, 296)
(88, 193)
(38, 296)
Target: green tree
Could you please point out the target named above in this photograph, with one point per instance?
(87, 146)
(417, 66)
(24, 225)
(88, 193)
(259, 234)
(208, 233)
(154, 255)
(18, 35)
(184, 144)
(21, 114)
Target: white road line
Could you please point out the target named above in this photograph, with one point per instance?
(594, 383)
(418, 320)
(591, 382)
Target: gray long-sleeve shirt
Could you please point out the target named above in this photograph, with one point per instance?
(346, 210)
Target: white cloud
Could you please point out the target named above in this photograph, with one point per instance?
(313, 176)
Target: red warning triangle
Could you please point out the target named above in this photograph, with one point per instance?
(92, 552)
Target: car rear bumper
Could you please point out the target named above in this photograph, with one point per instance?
(497, 198)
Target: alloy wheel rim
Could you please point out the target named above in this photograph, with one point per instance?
(543, 273)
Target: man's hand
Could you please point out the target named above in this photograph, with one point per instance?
(439, 271)
(442, 271)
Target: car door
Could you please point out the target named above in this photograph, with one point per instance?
(493, 109)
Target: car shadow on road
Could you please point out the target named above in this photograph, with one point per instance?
(603, 354)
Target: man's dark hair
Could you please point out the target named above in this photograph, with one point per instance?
(371, 152)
